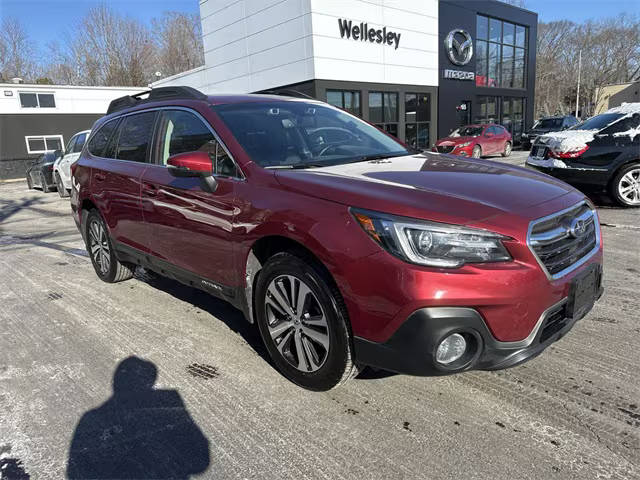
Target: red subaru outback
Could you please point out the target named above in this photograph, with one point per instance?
(343, 245)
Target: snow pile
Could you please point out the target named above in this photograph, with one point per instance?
(628, 109)
(568, 140)
(548, 162)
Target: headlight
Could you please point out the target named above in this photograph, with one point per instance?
(430, 243)
(465, 144)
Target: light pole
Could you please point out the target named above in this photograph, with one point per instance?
(578, 92)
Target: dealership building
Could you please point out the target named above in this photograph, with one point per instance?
(418, 69)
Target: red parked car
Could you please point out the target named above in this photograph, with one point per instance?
(476, 141)
(346, 250)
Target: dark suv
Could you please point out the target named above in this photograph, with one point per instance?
(547, 125)
(346, 249)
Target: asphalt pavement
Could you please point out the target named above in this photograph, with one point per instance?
(77, 358)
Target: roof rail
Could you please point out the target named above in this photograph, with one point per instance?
(288, 93)
(155, 94)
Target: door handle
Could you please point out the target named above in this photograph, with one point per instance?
(100, 177)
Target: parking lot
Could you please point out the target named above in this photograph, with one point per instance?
(573, 412)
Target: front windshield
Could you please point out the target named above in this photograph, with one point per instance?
(598, 122)
(471, 131)
(548, 123)
(301, 134)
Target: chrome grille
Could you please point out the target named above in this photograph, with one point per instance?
(558, 242)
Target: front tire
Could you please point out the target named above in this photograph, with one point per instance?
(625, 187)
(103, 256)
(476, 152)
(60, 187)
(507, 149)
(303, 323)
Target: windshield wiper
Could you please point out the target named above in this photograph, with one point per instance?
(297, 166)
(377, 156)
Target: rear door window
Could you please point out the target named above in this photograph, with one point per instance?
(80, 139)
(135, 136)
(99, 140)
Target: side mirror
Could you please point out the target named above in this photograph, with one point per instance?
(488, 135)
(190, 164)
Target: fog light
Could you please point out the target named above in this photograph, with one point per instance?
(451, 349)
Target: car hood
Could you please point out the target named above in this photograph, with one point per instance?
(429, 186)
(454, 140)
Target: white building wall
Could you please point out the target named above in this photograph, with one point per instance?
(68, 99)
(414, 62)
(253, 45)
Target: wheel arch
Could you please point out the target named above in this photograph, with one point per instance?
(263, 249)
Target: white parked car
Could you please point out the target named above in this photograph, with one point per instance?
(62, 166)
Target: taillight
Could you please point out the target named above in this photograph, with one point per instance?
(571, 154)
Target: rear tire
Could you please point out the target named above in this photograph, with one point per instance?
(625, 186)
(303, 323)
(507, 149)
(103, 256)
(476, 152)
(43, 184)
(60, 187)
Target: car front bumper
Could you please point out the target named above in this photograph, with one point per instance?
(412, 348)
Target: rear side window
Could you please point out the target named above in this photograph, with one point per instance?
(135, 137)
(100, 139)
(80, 139)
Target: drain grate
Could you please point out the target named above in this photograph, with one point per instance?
(202, 370)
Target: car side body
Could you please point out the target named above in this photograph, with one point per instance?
(62, 166)
(40, 173)
(545, 125)
(221, 232)
(476, 140)
(601, 154)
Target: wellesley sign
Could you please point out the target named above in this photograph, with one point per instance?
(363, 33)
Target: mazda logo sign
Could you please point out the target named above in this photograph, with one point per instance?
(459, 46)
(577, 228)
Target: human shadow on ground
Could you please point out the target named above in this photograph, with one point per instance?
(140, 432)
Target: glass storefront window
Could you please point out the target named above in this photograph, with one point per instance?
(383, 111)
(498, 63)
(507, 67)
(495, 30)
(518, 68)
(348, 100)
(481, 63)
(493, 73)
(512, 117)
(520, 36)
(508, 33)
(417, 115)
(486, 110)
(482, 27)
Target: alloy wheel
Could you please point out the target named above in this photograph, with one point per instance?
(629, 187)
(507, 149)
(99, 246)
(297, 323)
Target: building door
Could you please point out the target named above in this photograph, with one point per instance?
(512, 117)
(464, 113)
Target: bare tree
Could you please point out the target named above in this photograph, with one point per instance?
(178, 38)
(17, 52)
(610, 54)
